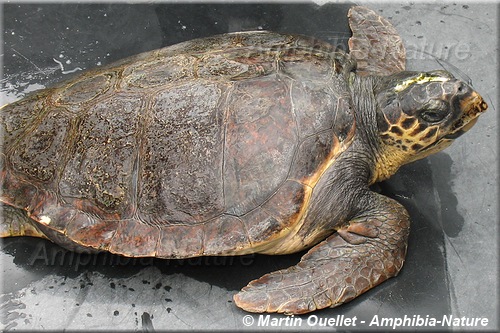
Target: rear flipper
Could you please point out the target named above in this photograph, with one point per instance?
(361, 255)
(15, 222)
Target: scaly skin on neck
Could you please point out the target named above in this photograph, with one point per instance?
(387, 158)
(387, 162)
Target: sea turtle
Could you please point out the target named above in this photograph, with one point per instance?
(250, 142)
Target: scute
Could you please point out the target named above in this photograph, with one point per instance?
(135, 239)
(158, 72)
(86, 89)
(312, 153)
(313, 105)
(226, 232)
(260, 142)
(39, 153)
(307, 65)
(261, 227)
(102, 155)
(18, 118)
(97, 234)
(181, 158)
(180, 241)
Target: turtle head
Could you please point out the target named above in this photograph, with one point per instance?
(422, 113)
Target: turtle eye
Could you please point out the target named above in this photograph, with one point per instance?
(433, 116)
(435, 111)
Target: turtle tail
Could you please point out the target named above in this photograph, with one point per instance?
(14, 222)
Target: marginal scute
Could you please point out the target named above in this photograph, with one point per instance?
(225, 232)
(311, 155)
(261, 226)
(157, 72)
(237, 64)
(93, 232)
(181, 241)
(46, 205)
(196, 46)
(287, 203)
(217, 65)
(135, 239)
(263, 40)
(305, 64)
(16, 191)
(85, 89)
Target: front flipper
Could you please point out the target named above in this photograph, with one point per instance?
(375, 43)
(362, 254)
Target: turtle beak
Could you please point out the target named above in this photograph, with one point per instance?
(472, 105)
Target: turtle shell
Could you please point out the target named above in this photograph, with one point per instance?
(207, 147)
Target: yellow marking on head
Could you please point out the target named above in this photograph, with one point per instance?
(413, 133)
(403, 145)
(419, 80)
